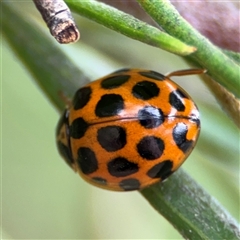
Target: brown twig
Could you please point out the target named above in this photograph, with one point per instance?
(59, 20)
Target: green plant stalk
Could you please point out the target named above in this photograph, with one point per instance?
(45, 66)
(129, 26)
(228, 102)
(55, 73)
(220, 67)
(194, 213)
(233, 55)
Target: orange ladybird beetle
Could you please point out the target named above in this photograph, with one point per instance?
(129, 129)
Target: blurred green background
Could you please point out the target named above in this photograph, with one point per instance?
(41, 196)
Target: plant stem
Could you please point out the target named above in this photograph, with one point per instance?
(129, 26)
(220, 67)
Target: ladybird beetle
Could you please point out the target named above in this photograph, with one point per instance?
(129, 129)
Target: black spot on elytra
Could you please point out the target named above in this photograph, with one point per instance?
(121, 167)
(161, 170)
(152, 74)
(114, 81)
(112, 138)
(109, 105)
(175, 99)
(87, 160)
(179, 136)
(66, 153)
(150, 147)
(78, 128)
(145, 90)
(195, 119)
(150, 117)
(130, 184)
(100, 180)
(194, 116)
(181, 93)
(81, 97)
(123, 70)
